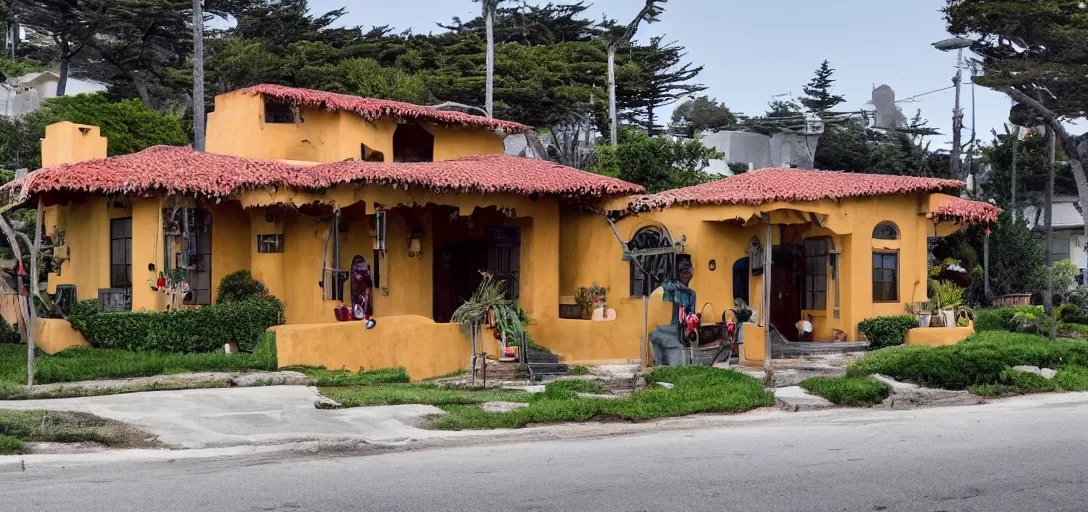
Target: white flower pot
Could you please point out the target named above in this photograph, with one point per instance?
(948, 318)
(925, 319)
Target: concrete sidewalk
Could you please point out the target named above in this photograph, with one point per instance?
(224, 417)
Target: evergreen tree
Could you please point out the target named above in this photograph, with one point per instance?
(701, 114)
(818, 97)
(660, 79)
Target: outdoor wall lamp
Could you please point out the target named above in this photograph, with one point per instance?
(415, 243)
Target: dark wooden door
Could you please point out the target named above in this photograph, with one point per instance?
(457, 267)
(785, 290)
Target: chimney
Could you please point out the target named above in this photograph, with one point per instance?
(67, 142)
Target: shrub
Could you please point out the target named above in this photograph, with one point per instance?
(8, 334)
(1035, 322)
(887, 331)
(239, 286)
(848, 391)
(998, 319)
(200, 329)
(981, 359)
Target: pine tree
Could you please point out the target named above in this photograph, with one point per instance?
(818, 97)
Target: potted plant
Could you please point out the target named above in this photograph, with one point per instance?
(923, 312)
(589, 299)
(742, 311)
(949, 298)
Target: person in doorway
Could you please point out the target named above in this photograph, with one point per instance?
(667, 340)
(804, 328)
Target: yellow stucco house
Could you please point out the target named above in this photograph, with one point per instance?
(295, 184)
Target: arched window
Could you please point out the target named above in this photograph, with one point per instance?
(886, 231)
(658, 267)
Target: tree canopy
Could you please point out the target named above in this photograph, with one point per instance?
(657, 163)
(703, 113)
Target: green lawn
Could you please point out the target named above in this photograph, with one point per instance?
(697, 389)
(848, 391)
(78, 364)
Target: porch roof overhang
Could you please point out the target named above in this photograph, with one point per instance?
(950, 213)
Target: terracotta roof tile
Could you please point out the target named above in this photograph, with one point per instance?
(373, 109)
(770, 185)
(183, 171)
(971, 212)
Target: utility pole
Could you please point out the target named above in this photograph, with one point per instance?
(1048, 298)
(957, 117)
(947, 45)
(489, 24)
(198, 76)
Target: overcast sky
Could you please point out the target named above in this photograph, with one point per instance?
(753, 50)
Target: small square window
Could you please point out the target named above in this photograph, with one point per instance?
(278, 113)
(269, 243)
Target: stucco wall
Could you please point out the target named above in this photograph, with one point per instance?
(238, 127)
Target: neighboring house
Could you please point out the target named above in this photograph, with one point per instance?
(1068, 224)
(296, 184)
(24, 94)
(46, 83)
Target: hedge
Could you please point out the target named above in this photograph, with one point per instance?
(887, 331)
(186, 330)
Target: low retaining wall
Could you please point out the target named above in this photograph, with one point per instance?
(425, 348)
(938, 336)
(53, 335)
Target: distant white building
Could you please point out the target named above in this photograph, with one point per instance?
(24, 94)
(46, 84)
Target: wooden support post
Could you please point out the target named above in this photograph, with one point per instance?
(768, 248)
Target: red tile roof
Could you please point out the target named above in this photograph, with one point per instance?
(791, 185)
(971, 212)
(182, 171)
(374, 109)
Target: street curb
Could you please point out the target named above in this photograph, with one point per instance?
(12, 465)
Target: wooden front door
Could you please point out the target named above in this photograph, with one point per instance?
(785, 290)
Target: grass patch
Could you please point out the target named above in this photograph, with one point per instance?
(11, 446)
(78, 364)
(697, 389)
(980, 360)
(319, 376)
(578, 370)
(992, 390)
(426, 393)
(848, 391)
(567, 389)
(456, 373)
(57, 427)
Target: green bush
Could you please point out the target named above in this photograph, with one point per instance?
(239, 286)
(998, 319)
(887, 331)
(9, 334)
(981, 359)
(185, 330)
(848, 391)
